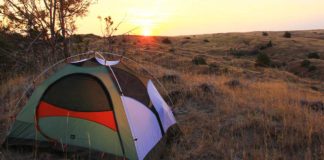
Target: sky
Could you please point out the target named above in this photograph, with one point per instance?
(188, 17)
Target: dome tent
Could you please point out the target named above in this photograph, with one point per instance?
(99, 106)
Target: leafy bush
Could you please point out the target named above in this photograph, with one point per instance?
(265, 34)
(313, 55)
(166, 41)
(263, 60)
(305, 63)
(287, 34)
(199, 60)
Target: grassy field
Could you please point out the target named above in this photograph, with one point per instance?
(226, 106)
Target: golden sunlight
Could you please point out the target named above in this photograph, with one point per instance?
(144, 25)
(146, 31)
(169, 17)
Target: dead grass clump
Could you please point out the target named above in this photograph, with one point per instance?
(180, 97)
(207, 88)
(234, 83)
(170, 78)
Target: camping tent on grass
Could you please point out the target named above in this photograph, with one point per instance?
(98, 106)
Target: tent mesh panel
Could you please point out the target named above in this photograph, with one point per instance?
(131, 86)
(78, 92)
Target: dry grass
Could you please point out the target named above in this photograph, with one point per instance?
(230, 109)
(258, 120)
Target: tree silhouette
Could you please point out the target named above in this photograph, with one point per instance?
(49, 20)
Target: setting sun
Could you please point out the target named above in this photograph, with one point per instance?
(146, 32)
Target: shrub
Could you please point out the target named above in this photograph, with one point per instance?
(313, 55)
(287, 34)
(269, 45)
(199, 60)
(213, 67)
(206, 40)
(312, 68)
(78, 39)
(235, 52)
(166, 41)
(238, 53)
(171, 50)
(263, 60)
(265, 34)
(305, 63)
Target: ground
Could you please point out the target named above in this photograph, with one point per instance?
(226, 105)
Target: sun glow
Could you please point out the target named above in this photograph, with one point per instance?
(146, 32)
(145, 26)
(182, 17)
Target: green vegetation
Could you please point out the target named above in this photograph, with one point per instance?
(268, 45)
(239, 53)
(263, 60)
(199, 60)
(305, 63)
(287, 34)
(314, 55)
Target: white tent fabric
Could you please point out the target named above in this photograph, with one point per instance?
(82, 60)
(99, 60)
(107, 63)
(144, 126)
(164, 111)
